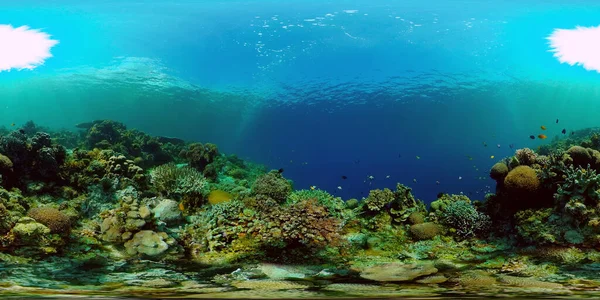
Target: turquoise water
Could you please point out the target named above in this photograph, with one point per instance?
(428, 93)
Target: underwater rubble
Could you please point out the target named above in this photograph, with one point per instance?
(113, 212)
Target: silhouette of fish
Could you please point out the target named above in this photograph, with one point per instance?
(564, 131)
(280, 170)
(532, 137)
(556, 121)
(344, 177)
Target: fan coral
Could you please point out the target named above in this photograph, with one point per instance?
(521, 179)
(54, 219)
(272, 185)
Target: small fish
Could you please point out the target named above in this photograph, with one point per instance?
(572, 132)
(459, 177)
(357, 161)
(344, 177)
(542, 136)
(437, 182)
(181, 206)
(532, 137)
(543, 127)
(469, 157)
(484, 144)
(12, 124)
(280, 170)
(498, 145)
(339, 187)
(511, 146)
(387, 176)
(414, 180)
(399, 155)
(370, 177)
(312, 187)
(556, 121)
(564, 131)
(418, 157)
(492, 157)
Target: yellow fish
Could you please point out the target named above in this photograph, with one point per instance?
(181, 206)
(543, 127)
(492, 156)
(312, 187)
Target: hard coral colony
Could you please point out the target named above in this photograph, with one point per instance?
(109, 193)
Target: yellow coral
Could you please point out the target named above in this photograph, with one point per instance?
(522, 179)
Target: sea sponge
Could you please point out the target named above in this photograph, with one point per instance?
(499, 171)
(521, 179)
(425, 231)
(54, 219)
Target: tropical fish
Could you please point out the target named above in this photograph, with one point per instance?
(414, 180)
(492, 157)
(339, 187)
(532, 137)
(484, 144)
(556, 121)
(543, 127)
(469, 157)
(344, 177)
(370, 177)
(280, 170)
(12, 124)
(511, 146)
(498, 145)
(388, 176)
(312, 187)
(437, 182)
(418, 157)
(542, 136)
(181, 206)
(564, 131)
(459, 177)
(219, 196)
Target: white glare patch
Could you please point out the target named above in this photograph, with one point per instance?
(23, 48)
(350, 11)
(579, 46)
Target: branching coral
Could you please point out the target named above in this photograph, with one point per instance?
(465, 219)
(168, 179)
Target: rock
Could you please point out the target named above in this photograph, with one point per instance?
(392, 272)
(148, 243)
(144, 212)
(167, 211)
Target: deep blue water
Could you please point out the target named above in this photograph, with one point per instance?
(323, 89)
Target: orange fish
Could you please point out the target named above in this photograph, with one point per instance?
(181, 207)
(543, 127)
(542, 136)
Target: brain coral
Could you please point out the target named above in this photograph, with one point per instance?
(583, 156)
(425, 231)
(54, 219)
(521, 179)
(499, 171)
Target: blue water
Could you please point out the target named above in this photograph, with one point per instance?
(323, 89)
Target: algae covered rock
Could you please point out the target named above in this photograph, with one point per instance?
(394, 272)
(147, 242)
(167, 211)
(28, 231)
